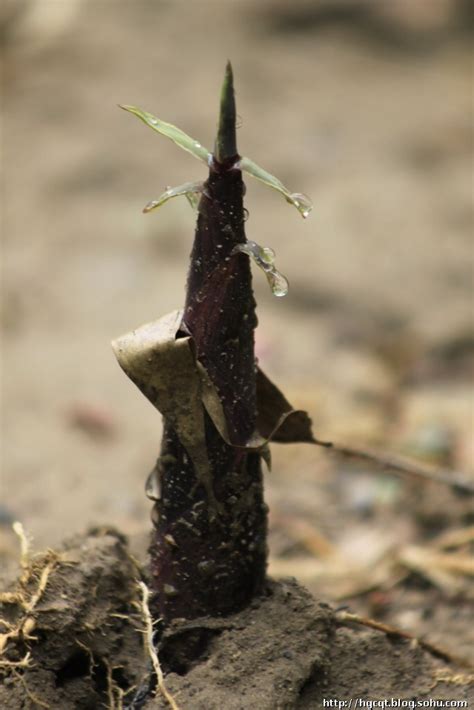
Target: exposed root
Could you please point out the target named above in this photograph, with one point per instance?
(145, 609)
(27, 624)
(24, 628)
(25, 545)
(114, 692)
(34, 698)
(24, 662)
(346, 618)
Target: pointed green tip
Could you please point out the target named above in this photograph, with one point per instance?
(226, 141)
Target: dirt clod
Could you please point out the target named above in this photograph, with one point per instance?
(84, 647)
(286, 651)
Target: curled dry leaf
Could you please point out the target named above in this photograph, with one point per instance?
(163, 368)
(160, 361)
(276, 418)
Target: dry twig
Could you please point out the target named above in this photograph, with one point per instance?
(454, 479)
(346, 618)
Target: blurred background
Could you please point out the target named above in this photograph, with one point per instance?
(364, 105)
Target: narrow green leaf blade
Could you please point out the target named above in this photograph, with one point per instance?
(175, 134)
(189, 189)
(302, 203)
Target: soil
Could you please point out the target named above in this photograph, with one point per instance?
(284, 651)
(368, 110)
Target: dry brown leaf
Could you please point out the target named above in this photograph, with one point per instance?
(163, 368)
(276, 419)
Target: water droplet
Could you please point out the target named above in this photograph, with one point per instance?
(246, 214)
(154, 121)
(155, 515)
(268, 255)
(278, 283)
(153, 486)
(206, 567)
(239, 121)
(264, 258)
(197, 144)
(302, 202)
(169, 590)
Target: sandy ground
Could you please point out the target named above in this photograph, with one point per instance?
(374, 336)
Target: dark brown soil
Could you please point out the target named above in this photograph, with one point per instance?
(84, 637)
(285, 651)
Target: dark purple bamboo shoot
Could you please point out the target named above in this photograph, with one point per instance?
(208, 546)
(209, 557)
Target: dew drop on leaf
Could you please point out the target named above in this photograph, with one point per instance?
(264, 258)
(302, 202)
(278, 283)
(152, 486)
(267, 255)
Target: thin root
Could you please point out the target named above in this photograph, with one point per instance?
(34, 698)
(24, 662)
(27, 623)
(145, 609)
(25, 545)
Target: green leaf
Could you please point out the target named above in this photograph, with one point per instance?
(189, 189)
(175, 134)
(302, 203)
